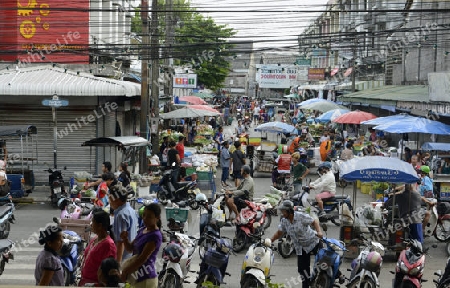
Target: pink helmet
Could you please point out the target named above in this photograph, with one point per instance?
(373, 261)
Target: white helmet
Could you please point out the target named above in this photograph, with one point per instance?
(201, 197)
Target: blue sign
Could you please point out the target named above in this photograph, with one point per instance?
(55, 103)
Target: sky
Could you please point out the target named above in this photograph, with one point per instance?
(276, 28)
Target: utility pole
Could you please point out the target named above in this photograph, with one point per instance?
(168, 82)
(143, 162)
(155, 73)
(354, 65)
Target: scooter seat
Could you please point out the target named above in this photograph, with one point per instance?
(5, 244)
(336, 198)
(5, 210)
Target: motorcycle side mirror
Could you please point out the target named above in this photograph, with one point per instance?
(438, 273)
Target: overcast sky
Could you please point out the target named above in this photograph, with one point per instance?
(277, 27)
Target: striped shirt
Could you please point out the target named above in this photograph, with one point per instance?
(300, 231)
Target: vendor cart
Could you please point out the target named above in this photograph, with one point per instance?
(20, 142)
(439, 151)
(380, 169)
(264, 159)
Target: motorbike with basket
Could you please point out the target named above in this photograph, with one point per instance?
(73, 208)
(170, 189)
(177, 256)
(366, 267)
(327, 263)
(258, 261)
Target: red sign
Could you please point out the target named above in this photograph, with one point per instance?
(35, 31)
(316, 74)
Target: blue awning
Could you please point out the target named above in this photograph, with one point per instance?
(429, 146)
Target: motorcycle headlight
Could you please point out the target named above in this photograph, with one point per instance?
(416, 270)
(258, 254)
(403, 267)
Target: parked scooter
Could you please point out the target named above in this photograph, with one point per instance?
(209, 227)
(57, 188)
(73, 208)
(329, 256)
(7, 218)
(366, 267)
(176, 191)
(443, 280)
(177, 256)
(439, 223)
(330, 206)
(5, 253)
(214, 262)
(410, 264)
(70, 254)
(245, 229)
(257, 261)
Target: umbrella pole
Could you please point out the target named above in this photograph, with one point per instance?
(354, 199)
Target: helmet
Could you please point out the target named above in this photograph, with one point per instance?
(62, 203)
(302, 150)
(223, 246)
(325, 165)
(287, 205)
(373, 261)
(201, 197)
(173, 252)
(246, 169)
(425, 169)
(141, 211)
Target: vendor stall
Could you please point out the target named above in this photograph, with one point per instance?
(439, 158)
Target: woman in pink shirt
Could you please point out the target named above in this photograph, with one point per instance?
(101, 247)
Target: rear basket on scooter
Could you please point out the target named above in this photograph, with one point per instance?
(443, 208)
(177, 214)
(214, 258)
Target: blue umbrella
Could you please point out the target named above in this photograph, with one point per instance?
(276, 127)
(331, 115)
(379, 169)
(309, 101)
(387, 119)
(414, 125)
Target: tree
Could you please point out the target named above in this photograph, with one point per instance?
(202, 45)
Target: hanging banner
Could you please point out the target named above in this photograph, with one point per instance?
(276, 76)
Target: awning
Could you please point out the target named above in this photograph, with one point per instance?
(17, 130)
(433, 146)
(117, 141)
(47, 80)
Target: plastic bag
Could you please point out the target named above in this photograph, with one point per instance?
(218, 215)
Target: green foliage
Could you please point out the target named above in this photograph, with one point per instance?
(274, 285)
(209, 284)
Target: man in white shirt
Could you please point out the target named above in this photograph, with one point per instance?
(256, 114)
(326, 183)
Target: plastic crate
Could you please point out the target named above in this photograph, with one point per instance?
(190, 171)
(202, 175)
(215, 259)
(178, 214)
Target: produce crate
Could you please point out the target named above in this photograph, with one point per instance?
(204, 175)
(178, 214)
(190, 171)
(79, 226)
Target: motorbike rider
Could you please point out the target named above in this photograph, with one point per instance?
(326, 183)
(243, 192)
(298, 225)
(106, 167)
(299, 172)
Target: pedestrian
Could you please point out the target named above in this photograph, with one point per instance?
(101, 199)
(298, 225)
(125, 219)
(218, 137)
(124, 176)
(173, 161)
(145, 249)
(109, 273)
(99, 248)
(237, 160)
(225, 163)
(347, 153)
(180, 147)
(163, 150)
(49, 271)
(298, 172)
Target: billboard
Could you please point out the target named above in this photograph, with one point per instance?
(185, 81)
(44, 31)
(276, 76)
(316, 74)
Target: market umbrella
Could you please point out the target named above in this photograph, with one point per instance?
(204, 107)
(331, 115)
(387, 119)
(379, 169)
(309, 101)
(188, 112)
(413, 124)
(202, 94)
(193, 100)
(276, 127)
(322, 106)
(354, 117)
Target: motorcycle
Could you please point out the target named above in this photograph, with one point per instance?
(327, 262)
(330, 206)
(6, 246)
(439, 223)
(443, 280)
(70, 254)
(7, 218)
(366, 267)
(257, 261)
(176, 191)
(177, 256)
(249, 215)
(214, 262)
(410, 264)
(209, 228)
(57, 188)
(72, 208)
